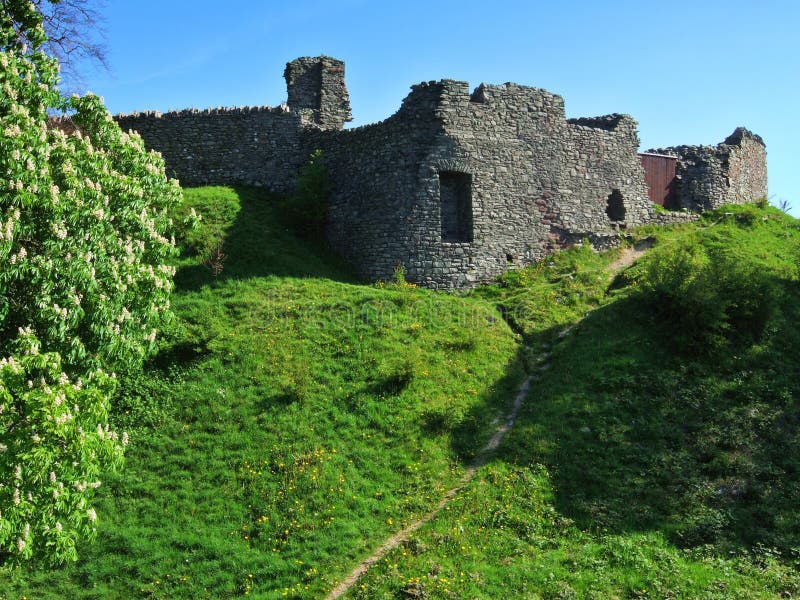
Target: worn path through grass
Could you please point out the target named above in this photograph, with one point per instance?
(646, 468)
(404, 534)
(627, 256)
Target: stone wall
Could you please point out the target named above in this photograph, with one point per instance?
(256, 146)
(601, 166)
(732, 172)
(537, 182)
(252, 145)
(376, 219)
(456, 187)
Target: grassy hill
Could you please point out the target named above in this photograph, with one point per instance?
(295, 418)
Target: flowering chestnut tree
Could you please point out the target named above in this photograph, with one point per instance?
(84, 286)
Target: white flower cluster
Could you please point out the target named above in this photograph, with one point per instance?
(18, 257)
(63, 418)
(111, 274)
(7, 228)
(59, 230)
(82, 486)
(10, 92)
(61, 312)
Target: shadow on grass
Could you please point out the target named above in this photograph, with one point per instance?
(638, 437)
(257, 244)
(474, 429)
(182, 353)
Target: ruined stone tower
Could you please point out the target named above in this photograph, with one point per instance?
(317, 92)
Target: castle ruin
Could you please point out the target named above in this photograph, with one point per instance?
(456, 186)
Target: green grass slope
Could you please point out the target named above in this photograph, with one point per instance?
(295, 418)
(291, 420)
(658, 456)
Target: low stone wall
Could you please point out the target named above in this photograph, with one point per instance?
(672, 217)
(256, 146)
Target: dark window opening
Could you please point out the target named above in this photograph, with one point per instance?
(615, 208)
(455, 194)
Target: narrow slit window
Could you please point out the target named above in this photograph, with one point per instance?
(615, 207)
(455, 194)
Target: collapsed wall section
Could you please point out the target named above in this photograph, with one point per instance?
(255, 145)
(603, 179)
(732, 172)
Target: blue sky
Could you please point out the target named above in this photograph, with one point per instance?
(689, 72)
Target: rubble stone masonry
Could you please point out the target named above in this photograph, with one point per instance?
(457, 186)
